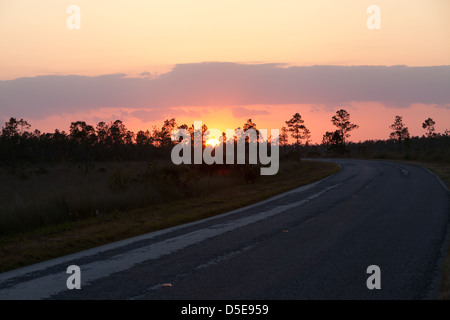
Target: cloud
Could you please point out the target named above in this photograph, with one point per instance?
(217, 84)
(241, 112)
(147, 116)
(159, 113)
(443, 106)
(145, 74)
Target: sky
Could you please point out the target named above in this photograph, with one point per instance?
(222, 62)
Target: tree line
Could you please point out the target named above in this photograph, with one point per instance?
(114, 141)
(431, 146)
(86, 143)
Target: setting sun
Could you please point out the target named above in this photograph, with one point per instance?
(213, 142)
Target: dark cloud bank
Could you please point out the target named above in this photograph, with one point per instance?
(227, 84)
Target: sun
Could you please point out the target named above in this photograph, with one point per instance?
(213, 142)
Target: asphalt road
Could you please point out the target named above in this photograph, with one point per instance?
(314, 242)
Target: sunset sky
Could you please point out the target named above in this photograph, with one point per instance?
(222, 62)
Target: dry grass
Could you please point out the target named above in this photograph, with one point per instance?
(208, 196)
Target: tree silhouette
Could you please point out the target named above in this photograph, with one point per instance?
(251, 125)
(307, 135)
(297, 129)
(163, 137)
(24, 126)
(334, 141)
(84, 138)
(342, 121)
(283, 137)
(429, 126)
(129, 137)
(400, 131)
(102, 130)
(144, 138)
(11, 127)
(117, 132)
(82, 133)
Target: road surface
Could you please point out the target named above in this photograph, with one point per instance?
(314, 242)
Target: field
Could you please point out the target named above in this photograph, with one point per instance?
(50, 211)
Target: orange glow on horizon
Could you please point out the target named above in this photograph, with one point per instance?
(213, 142)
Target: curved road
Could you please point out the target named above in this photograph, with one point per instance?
(314, 242)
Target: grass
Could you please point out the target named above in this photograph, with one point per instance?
(58, 211)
